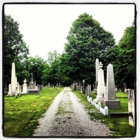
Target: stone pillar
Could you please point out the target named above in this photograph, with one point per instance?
(96, 69)
(84, 87)
(101, 84)
(10, 90)
(131, 107)
(18, 86)
(13, 85)
(13, 79)
(89, 89)
(124, 87)
(110, 99)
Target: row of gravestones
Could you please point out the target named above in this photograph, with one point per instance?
(51, 85)
(15, 89)
(107, 94)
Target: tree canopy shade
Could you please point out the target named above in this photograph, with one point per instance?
(87, 40)
(14, 50)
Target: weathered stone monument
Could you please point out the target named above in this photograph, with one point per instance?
(110, 99)
(33, 88)
(18, 89)
(101, 84)
(49, 85)
(88, 90)
(96, 70)
(124, 87)
(84, 87)
(24, 87)
(13, 85)
(32, 83)
(131, 107)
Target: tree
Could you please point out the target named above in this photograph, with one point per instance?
(52, 56)
(46, 74)
(126, 71)
(52, 70)
(36, 66)
(14, 50)
(66, 70)
(87, 40)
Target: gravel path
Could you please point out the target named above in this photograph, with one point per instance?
(66, 117)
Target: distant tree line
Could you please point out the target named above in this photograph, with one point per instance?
(86, 41)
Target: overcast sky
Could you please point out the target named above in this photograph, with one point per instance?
(46, 26)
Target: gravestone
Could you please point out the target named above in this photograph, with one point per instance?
(101, 84)
(13, 85)
(124, 87)
(93, 87)
(18, 88)
(81, 89)
(25, 90)
(110, 97)
(49, 85)
(96, 70)
(88, 90)
(10, 90)
(33, 88)
(84, 87)
(131, 107)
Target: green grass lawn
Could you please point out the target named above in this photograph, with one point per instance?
(119, 124)
(123, 98)
(21, 114)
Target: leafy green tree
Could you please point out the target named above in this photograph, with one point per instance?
(14, 50)
(52, 56)
(65, 70)
(126, 71)
(87, 40)
(36, 66)
(46, 74)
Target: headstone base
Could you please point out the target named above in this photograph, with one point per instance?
(33, 91)
(112, 104)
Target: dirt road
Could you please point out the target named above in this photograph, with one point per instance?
(66, 117)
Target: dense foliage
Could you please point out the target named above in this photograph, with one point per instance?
(86, 41)
(14, 50)
(35, 66)
(126, 69)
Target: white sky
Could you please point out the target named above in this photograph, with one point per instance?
(46, 26)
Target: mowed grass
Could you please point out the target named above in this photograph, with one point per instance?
(118, 124)
(123, 98)
(21, 114)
